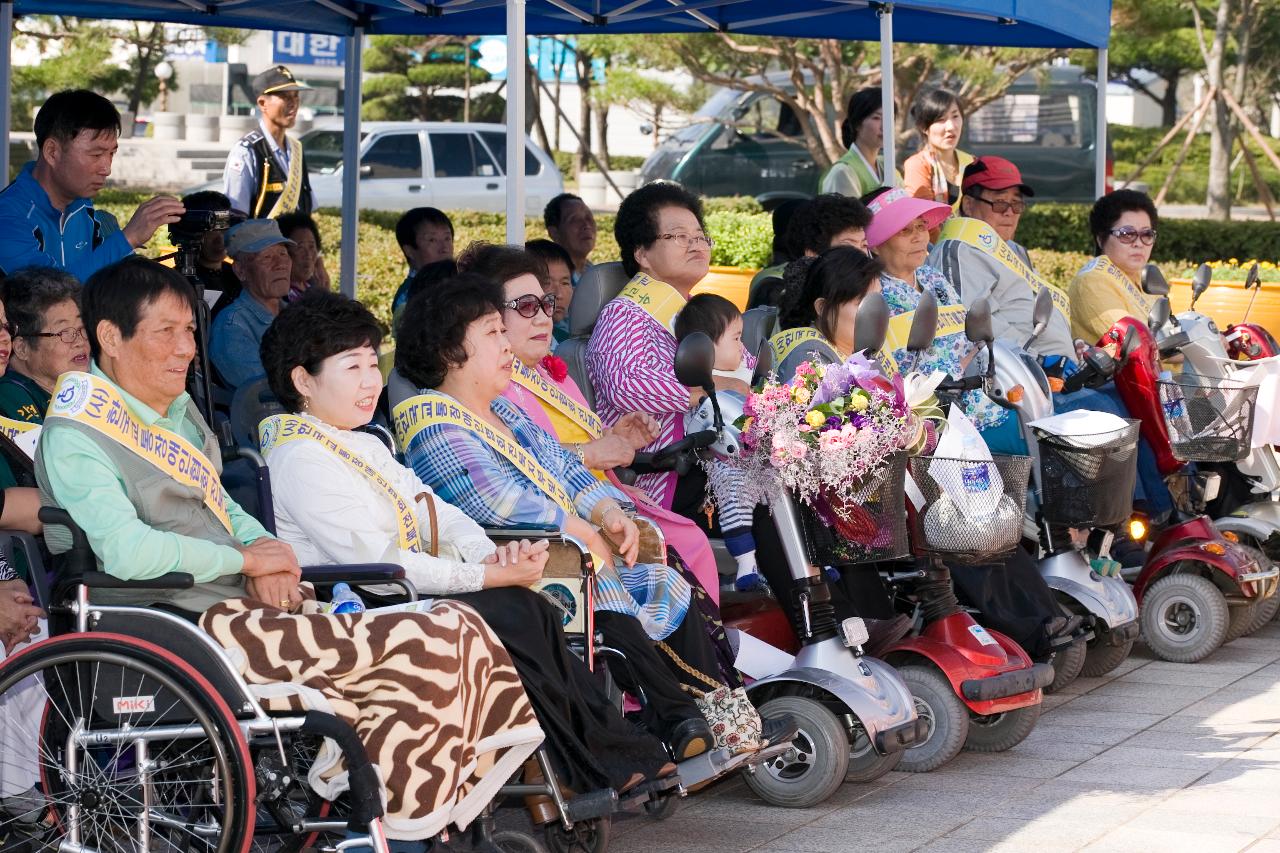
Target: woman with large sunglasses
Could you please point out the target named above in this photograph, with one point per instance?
(1123, 225)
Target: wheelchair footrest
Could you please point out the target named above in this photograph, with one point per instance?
(591, 805)
(715, 763)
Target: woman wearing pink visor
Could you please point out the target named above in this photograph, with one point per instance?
(899, 236)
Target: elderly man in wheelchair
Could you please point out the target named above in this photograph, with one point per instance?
(154, 734)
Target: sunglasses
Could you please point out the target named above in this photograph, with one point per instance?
(527, 306)
(1001, 206)
(1130, 235)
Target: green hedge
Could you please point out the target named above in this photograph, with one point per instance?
(1065, 228)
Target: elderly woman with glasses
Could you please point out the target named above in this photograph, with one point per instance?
(1123, 225)
(43, 306)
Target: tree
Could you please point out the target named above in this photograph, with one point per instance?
(410, 71)
(816, 77)
(656, 101)
(1157, 37)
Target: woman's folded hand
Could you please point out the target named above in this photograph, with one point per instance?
(516, 564)
(624, 534)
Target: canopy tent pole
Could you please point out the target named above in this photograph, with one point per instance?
(517, 59)
(6, 82)
(1100, 149)
(351, 97)
(886, 93)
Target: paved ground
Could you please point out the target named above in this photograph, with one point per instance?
(1158, 756)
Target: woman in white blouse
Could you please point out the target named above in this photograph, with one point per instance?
(341, 497)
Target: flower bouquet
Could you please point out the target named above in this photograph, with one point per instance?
(836, 437)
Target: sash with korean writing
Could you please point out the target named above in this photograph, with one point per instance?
(659, 300)
(980, 235)
(786, 342)
(12, 429)
(950, 322)
(281, 429)
(287, 201)
(1106, 267)
(98, 405)
(417, 413)
(527, 377)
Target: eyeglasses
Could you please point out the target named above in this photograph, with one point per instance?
(527, 306)
(67, 336)
(1001, 206)
(684, 241)
(1130, 235)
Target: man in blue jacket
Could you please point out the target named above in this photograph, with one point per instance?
(46, 215)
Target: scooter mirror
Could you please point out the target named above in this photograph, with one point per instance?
(924, 325)
(1200, 281)
(1153, 281)
(1042, 310)
(764, 363)
(1159, 315)
(1131, 340)
(1252, 279)
(977, 322)
(871, 326)
(695, 358)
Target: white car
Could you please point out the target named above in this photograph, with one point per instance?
(448, 165)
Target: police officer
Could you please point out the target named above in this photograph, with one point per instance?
(266, 174)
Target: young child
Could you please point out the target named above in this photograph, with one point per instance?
(720, 320)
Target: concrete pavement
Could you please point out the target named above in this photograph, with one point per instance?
(1157, 756)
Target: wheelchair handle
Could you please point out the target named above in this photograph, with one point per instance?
(366, 788)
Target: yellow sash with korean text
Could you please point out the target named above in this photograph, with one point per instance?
(12, 429)
(659, 300)
(1106, 267)
(980, 235)
(417, 413)
(584, 418)
(950, 322)
(98, 405)
(282, 429)
(786, 342)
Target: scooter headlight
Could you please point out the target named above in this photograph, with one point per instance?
(854, 631)
(1138, 529)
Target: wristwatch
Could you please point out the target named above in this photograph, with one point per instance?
(580, 451)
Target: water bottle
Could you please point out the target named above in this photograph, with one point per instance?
(345, 600)
(1174, 407)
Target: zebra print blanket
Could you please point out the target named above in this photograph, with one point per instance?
(433, 696)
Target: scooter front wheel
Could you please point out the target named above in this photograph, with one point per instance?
(865, 764)
(1001, 732)
(1101, 659)
(814, 767)
(946, 716)
(1067, 664)
(1184, 618)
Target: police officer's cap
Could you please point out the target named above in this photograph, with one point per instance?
(276, 80)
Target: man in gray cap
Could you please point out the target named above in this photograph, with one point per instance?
(266, 173)
(262, 264)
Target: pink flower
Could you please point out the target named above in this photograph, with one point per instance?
(798, 449)
(805, 369)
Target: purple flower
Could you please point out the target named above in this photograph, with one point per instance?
(836, 382)
(832, 423)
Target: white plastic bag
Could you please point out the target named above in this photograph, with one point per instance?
(975, 489)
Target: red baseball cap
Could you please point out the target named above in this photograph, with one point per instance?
(994, 173)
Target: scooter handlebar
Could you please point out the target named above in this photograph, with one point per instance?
(677, 456)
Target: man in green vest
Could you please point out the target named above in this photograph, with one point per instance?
(147, 493)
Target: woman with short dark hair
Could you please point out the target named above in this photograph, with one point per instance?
(308, 265)
(936, 170)
(1123, 225)
(321, 357)
(862, 168)
(43, 305)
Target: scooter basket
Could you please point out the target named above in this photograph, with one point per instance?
(865, 526)
(1209, 420)
(1088, 480)
(972, 511)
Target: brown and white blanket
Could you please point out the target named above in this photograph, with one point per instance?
(433, 696)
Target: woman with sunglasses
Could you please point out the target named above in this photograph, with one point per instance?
(1123, 225)
(48, 340)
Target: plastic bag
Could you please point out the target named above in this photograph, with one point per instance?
(974, 488)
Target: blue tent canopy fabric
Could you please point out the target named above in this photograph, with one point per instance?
(1012, 23)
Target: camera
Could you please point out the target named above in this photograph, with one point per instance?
(194, 224)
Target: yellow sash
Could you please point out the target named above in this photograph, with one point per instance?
(95, 403)
(417, 413)
(660, 301)
(291, 194)
(980, 235)
(787, 342)
(581, 416)
(1106, 267)
(12, 429)
(950, 321)
(281, 429)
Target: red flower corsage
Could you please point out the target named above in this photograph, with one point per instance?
(556, 367)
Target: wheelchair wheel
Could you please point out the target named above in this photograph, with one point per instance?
(133, 747)
(284, 805)
(590, 836)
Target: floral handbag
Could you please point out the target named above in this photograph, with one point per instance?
(735, 723)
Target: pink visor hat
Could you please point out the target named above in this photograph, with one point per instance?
(895, 210)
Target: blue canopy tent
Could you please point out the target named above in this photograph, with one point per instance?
(1010, 23)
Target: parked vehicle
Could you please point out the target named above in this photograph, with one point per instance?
(750, 143)
(449, 165)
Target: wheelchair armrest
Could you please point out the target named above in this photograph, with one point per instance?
(362, 572)
(527, 531)
(39, 573)
(102, 580)
(59, 516)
